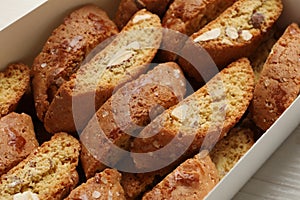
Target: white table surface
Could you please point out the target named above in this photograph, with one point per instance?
(278, 178)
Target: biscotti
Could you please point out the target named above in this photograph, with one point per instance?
(123, 60)
(123, 115)
(236, 33)
(198, 121)
(17, 140)
(279, 82)
(65, 50)
(127, 8)
(193, 179)
(231, 148)
(48, 173)
(14, 82)
(136, 184)
(187, 17)
(103, 186)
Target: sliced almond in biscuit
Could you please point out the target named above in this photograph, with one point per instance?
(26, 195)
(180, 112)
(231, 32)
(120, 57)
(209, 35)
(138, 18)
(246, 35)
(133, 45)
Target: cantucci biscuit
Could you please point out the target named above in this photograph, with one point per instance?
(123, 60)
(103, 186)
(49, 172)
(127, 8)
(193, 179)
(231, 148)
(65, 50)
(279, 82)
(14, 82)
(198, 121)
(187, 17)
(236, 33)
(131, 108)
(17, 140)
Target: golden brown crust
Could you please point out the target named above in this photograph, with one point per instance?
(65, 50)
(103, 186)
(131, 108)
(49, 172)
(17, 140)
(279, 83)
(236, 33)
(127, 8)
(136, 184)
(62, 104)
(193, 179)
(187, 17)
(123, 60)
(14, 82)
(199, 120)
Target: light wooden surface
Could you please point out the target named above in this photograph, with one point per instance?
(279, 177)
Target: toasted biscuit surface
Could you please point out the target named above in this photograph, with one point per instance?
(123, 60)
(279, 81)
(14, 82)
(64, 51)
(17, 140)
(236, 33)
(193, 179)
(103, 186)
(187, 17)
(231, 148)
(131, 108)
(198, 121)
(127, 8)
(49, 172)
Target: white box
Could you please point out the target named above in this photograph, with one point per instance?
(23, 39)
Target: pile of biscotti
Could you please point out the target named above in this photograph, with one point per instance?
(94, 118)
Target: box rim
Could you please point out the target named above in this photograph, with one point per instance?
(245, 159)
